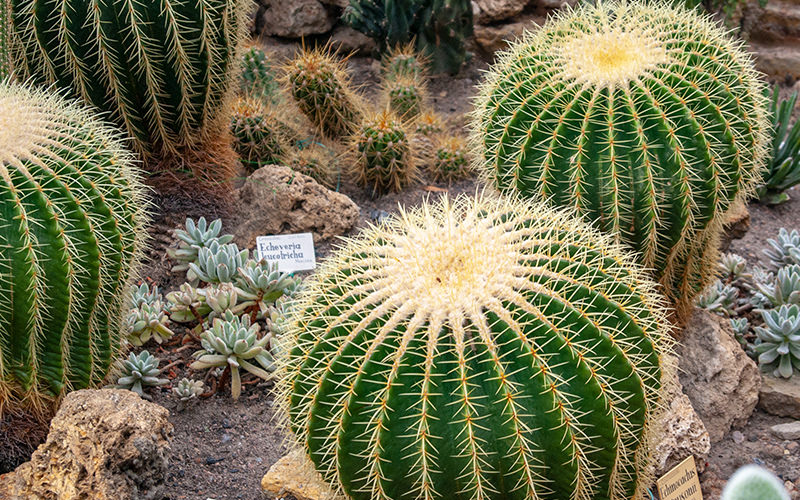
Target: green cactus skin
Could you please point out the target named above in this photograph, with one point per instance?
(478, 348)
(259, 80)
(450, 161)
(383, 158)
(72, 216)
(162, 70)
(649, 120)
(322, 90)
(405, 96)
(258, 138)
(5, 39)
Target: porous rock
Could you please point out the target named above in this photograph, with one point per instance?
(720, 380)
(780, 396)
(275, 199)
(681, 431)
(487, 11)
(294, 475)
(104, 444)
(296, 18)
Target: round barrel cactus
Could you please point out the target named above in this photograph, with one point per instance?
(478, 348)
(72, 229)
(649, 120)
(162, 70)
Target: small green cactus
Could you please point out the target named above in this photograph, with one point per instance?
(478, 348)
(146, 321)
(752, 482)
(317, 161)
(450, 160)
(405, 61)
(383, 158)
(428, 126)
(72, 228)
(778, 341)
(321, 87)
(785, 250)
(783, 288)
(233, 342)
(197, 235)
(219, 263)
(647, 119)
(163, 71)
(139, 371)
(187, 304)
(258, 139)
(405, 96)
(258, 78)
(187, 390)
(719, 298)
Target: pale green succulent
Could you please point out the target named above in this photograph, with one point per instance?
(187, 304)
(139, 371)
(234, 342)
(218, 263)
(187, 390)
(719, 298)
(193, 238)
(734, 267)
(783, 288)
(260, 283)
(785, 250)
(148, 321)
(752, 482)
(144, 294)
(740, 327)
(778, 342)
(223, 297)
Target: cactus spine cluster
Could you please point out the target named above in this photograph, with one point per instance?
(649, 120)
(405, 96)
(259, 138)
(162, 70)
(5, 39)
(71, 234)
(321, 87)
(258, 79)
(450, 160)
(384, 158)
(478, 348)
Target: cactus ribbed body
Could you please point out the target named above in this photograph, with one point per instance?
(321, 88)
(405, 96)
(5, 39)
(162, 70)
(482, 348)
(649, 120)
(258, 78)
(71, 230)
(383, 157)
(259, 137)
(450, 161)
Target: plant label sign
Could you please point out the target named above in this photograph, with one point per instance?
(681, 483)
(292, 252)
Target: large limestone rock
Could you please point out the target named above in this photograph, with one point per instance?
(497, 37)
(103, 445)
(777, 60)
(275, 199)
(682, 432)
(487, 11)
(294, 475)
(296, 18)
(720, 380)
(780, 396)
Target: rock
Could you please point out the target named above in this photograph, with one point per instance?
(780, 397)
(683, 433)
(720, 380)
(789, 431)
(296, 18)
(777, 21)
(487, 11)
(777, 60)
(294, 474)
(736, 225)
(347, 40)
(493, 38)
(275, 199)
(103, 444)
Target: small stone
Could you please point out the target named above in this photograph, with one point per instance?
(792, 446)
(212, 460)
(780, 397)
(773, 450)
(293, 474)
(737, 437)
(789, 431)
(226, 438)
(226, 424)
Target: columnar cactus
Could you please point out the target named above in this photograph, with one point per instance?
(648, 120)
(322, 90)
(383, 156)
(70, 238)
(479, 348)
(162, 70)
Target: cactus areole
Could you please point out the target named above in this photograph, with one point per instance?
(477, 348)
(648, 120)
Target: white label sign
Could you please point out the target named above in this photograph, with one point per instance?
(292, 252)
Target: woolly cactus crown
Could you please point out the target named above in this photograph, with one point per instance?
(477, 348)
(647, 119)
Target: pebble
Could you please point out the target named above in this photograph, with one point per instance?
(226, 438)
(773, 450)
(792, 446)
(226, 424)
(788, 431)
(212, 460)
(738, 437)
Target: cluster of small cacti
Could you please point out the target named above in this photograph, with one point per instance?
(752, 482)
(71, 236)
(477, 348)
(164, 71)
(646, 119)
(139, 371)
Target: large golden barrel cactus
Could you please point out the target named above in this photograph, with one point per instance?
(647, 119)
(478, 348)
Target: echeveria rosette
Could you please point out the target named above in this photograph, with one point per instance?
(139, 371)
(782, 288)
(778, 341)
(261, 284)
(219, 263)
(187, 304)
(784, 250)
(478, 348)
(648, 119)
(148, 321)
(195, 236)
(233, 342)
